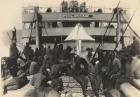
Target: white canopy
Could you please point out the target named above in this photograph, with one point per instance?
(78, 33)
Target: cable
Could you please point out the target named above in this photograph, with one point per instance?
(132, 29)
(110, 22)
(31, 26)
(134, 32)
(105, 32)
(128, 23)
(46, 30)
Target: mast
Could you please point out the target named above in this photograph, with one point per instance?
(118, 31)
(38, 30)
(14, 39)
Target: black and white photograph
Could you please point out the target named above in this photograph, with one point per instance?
(70, 48)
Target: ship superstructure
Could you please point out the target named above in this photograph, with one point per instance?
(47, 26)
(55, 26)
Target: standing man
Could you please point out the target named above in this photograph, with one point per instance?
(14, 35)
(12, 60)
(114, 69)
(136, 45)
(26, 51)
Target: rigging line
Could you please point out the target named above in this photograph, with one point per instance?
(128, 23)
(9, 36)
(115, 1)
(45, 29)
(105, 32)
(109, 32)
(31, 30)
(11, 39)
(110, 21)
(132, 29)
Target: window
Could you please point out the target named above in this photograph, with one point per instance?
(26, 25)
(49, 24)
(69, 24)
(32, 40)
(106, 39)
(73, 23)
(85, 23)
(54, 24)
(59, 24)
(52, 39)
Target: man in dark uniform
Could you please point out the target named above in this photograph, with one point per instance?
(26, 51)
(12, 60)
(65, 57)
(14, 35)
(13, 51)
(55, 52)
(128, 84)
(136, 45)
(114, 69)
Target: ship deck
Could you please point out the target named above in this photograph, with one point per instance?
(71, 87)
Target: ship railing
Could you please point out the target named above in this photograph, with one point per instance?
(4, 70)
(58, 9)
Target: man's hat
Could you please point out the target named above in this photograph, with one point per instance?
(69, 48)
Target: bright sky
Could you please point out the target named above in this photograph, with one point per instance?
(10, 13)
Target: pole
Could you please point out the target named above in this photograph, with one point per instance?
(9, 36)
(104, 33)
(77, 47)
(118, 26)
(80, 46)
(37, 28)
(128, 23)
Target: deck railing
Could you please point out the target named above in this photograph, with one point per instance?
(58, 9)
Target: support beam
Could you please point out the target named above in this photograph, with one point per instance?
(38, 27)
(119, 26)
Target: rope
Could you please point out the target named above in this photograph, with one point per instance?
(110, 23)
(31, 26)
(128, 24)
(105, 33)
(125, 30)
(46, 30)
(30, 32)
(134, 32)
(132, 29)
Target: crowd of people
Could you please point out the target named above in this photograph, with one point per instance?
(30, 62)
(104, 67)
(73, 6)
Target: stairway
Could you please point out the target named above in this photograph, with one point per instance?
(70, 85)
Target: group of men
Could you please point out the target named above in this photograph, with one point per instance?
(109, 66)
(30, 62)
(73, 6)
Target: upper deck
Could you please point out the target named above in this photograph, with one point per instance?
(90, 15)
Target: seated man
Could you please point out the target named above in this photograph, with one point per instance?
(128, 84)
(66, 56)
(34, 66)
(40, 82)
(136, 45)
(15, 82)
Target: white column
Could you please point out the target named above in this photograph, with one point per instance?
(78, 46)
(118, 32)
